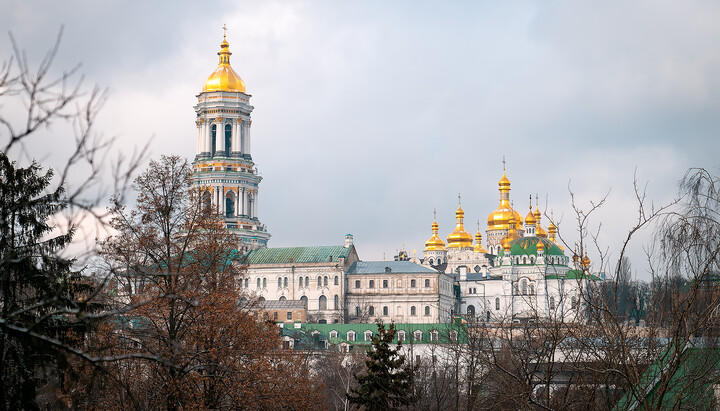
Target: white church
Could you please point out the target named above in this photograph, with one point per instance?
(521, 274)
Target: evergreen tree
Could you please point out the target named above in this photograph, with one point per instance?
(386, 383)
(35, 284)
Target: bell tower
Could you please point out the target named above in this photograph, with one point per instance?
(223, 169)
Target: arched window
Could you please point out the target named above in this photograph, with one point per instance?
(523, 286)
(336, 302)
(304, 300)
(264, 282)
(307, 281)
(471, 312)
(427, 310)
(319, 281)
(228, 139)
(207, 200)
(322, 303)
(532, 260)
(282, 298)
(279, 282)
(488, 316)
(413, 311)
(497, 303)
(337, 280)
(524, 260)
(285, 282)
(552, 303)
(371, 310)
(213, 132)
(325, 281)
(385, 310)
(333, 334)
(357, 311)
(246, 283)
(300, 282)
(431, 261)
(417, 335)
(427, 283)
(258, 283)
(230, 204)
(573, 302)
(532, 288)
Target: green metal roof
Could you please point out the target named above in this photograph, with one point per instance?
(382, 267)
(528, 246)
(297, 255)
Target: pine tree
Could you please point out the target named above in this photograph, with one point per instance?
(35, 283)
(386, 383)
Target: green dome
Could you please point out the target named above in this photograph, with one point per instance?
(528, 246)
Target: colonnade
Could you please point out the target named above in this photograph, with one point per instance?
(239, 141)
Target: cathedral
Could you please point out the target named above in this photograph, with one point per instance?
(521, 273)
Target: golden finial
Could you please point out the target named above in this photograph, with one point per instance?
(503, 164)
(224, 31)
(459, 202)
(434, 213)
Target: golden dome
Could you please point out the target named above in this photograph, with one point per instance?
(530, 218)
(478, 243)
(500, 218)
(224, 78)
(435, 242)
(539, 231)
(506, 244)
(540, 246)
(459, 238)
(585, 262)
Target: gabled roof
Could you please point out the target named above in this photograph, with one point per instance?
(297, 255)
(382, 267)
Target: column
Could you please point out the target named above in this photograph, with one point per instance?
(198, 143)
(206, 138)
(255, 204)
(237, 149)
(247, 137)
(220, 138)
(237, 202)
(222, 201)
(242, 201)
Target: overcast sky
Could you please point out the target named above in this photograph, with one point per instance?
(370, 115)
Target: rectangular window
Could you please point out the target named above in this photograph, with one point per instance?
(385, 311)
(385, 283)
(427, 283)
(357, 284)
(412, 283)
(289, 315)
(371, 284)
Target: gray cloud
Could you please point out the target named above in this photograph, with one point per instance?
(370, 115)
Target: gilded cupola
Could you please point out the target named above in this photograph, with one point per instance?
(224, 78)
(539, 231)
(500, 218)
(478, 243)
(435, 243)
(459, 238)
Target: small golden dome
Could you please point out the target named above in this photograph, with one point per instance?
(504, 183)
(478, 243)
(224, 78)
(585, 262)
(435, 243)
(459, 238)
(540, 246)
(539, 231)
(530, 218)
(506, 244)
